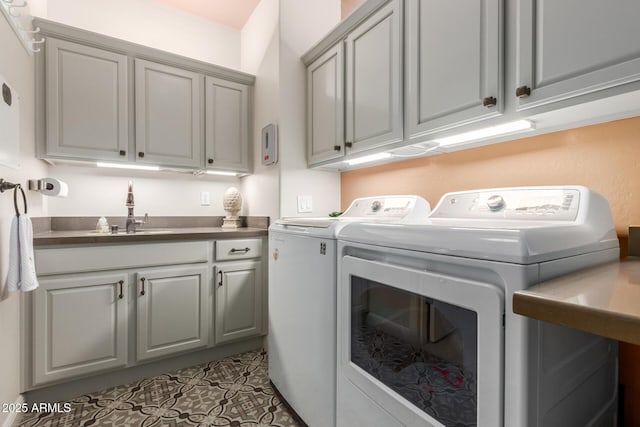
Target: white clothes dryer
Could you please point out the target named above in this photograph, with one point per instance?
(302, 301)
(426, 331)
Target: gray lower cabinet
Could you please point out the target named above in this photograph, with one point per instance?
(453, 63)
(574, 47)
(227, 125)
(168, 115)
(79, 325)
(86, 102)
(172, 314)
(238, 300)
(104, 307)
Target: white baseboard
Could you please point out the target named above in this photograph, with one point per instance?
(13, 416)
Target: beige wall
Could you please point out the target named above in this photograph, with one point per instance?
(604, 157)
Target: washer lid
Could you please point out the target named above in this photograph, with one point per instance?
(376, 208)
(519, 245)
(308, 222)
(518, 225)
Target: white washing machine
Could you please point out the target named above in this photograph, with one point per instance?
(426, 331)
(302, 301)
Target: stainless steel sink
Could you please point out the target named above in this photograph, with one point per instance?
(142, 231)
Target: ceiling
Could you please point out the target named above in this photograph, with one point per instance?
(233, 13)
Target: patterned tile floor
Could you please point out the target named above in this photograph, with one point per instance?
(234, 392)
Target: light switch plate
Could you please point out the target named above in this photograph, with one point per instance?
(205, 198)
(305, 204)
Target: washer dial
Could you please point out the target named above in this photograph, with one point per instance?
(495, 203)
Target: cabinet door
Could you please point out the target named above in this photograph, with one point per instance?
(171, 310)
(86, 102)
(238, 300)
(454, 63)
(325, 106)
(374, 80)
(574, 47)
(227, 125)
(168, 115)
(79, 326)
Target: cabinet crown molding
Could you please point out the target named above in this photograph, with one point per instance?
(89, 38)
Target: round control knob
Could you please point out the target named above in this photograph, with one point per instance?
(495, 203)
(375, 206)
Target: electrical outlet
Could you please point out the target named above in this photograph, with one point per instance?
(205, 198)
(305, 204)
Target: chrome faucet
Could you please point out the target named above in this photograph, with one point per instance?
(131, 219)
(132, 222)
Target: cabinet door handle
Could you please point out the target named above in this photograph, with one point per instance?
(123, 153)
(210, 161)
(243, 250)
(121, 283)
(220, 281)
(142, 280)
(140, 153)
(337, 147)
(523, 91)
(489, 101)
(348, 144)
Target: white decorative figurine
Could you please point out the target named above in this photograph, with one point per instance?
(232, 202)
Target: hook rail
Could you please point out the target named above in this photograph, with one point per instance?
(11, 9)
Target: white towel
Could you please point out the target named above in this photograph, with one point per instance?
(13, 275)
(22, 267)
(28, 278)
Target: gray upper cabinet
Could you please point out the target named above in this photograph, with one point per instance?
(79, 325)
(354, 88)
(227, 125)
(100, 98)
(374, 80)
(172, 313)
(325, 106)
(86, 102)
(453, 63)
(168, 115)
(574, 47)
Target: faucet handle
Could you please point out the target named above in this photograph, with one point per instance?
(143, 221)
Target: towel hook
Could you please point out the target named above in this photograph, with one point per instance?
(12, 6)
(28, 31)
(34, 42)
(15, 199)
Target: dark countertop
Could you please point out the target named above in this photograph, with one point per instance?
(66, 237)
(603, 300)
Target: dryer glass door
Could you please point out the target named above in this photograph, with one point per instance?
(423, 346)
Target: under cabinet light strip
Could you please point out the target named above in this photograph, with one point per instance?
(369, 158)
(504, 129)
(223, 173)
(126, 166)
